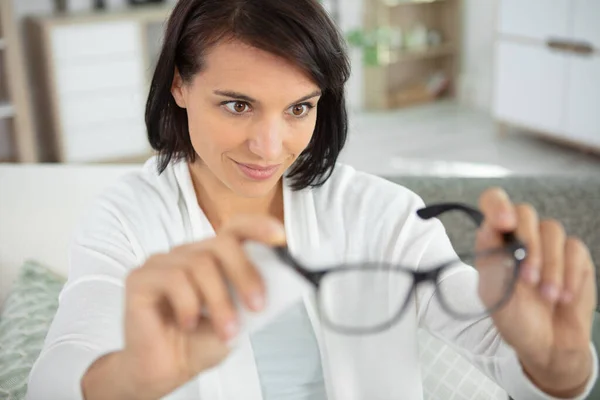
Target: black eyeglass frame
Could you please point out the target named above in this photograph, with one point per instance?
(512, 246)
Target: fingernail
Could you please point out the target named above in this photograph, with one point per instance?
(532, 275)
(566, 297)
(257, 302)
(550, 292)
(231, 329)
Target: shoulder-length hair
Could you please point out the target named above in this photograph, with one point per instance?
(299, 31)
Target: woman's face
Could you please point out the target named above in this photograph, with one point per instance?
(250, 115)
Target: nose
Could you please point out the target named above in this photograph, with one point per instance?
(266, 140)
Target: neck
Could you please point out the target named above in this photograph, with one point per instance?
(220, 204)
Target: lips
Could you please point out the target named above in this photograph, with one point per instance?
(258, 172)
(259, 167)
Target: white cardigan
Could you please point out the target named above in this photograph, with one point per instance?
(354, 217)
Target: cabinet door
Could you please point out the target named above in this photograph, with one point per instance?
(530, 86)
(586, 22)
(535, 19)
(583, 100)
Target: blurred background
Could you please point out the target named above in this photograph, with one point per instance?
(439, 87)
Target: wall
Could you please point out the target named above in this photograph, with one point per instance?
(350, 17)
(477, 72)
(479, 21)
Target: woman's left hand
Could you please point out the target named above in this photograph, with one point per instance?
(548, 319)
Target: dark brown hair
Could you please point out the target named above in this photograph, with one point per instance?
(300, 31)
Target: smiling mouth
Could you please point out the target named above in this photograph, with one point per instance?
(259, 167)
(257, 172)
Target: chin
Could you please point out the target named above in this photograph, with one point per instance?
(254, 190)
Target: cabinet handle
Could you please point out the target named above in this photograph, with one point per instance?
(556, 44)
(581, 48)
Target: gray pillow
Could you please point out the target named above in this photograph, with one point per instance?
(25, 318)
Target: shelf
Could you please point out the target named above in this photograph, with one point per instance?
(396, 57)
(6, 110)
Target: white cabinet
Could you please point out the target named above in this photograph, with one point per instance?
(586, 22)
(530, 85)
(94, 83)
(582, 120)
(547, 68)
(535, 19)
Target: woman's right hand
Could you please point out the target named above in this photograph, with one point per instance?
(168, 337)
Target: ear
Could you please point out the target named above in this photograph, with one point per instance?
(178, 89)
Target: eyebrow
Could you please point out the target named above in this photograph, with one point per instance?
(241, 96)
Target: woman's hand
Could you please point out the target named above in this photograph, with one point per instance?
(167, 339)
(548, 319)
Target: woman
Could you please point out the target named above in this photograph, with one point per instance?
(247, 113)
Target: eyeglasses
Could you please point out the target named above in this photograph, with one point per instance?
(368, 297)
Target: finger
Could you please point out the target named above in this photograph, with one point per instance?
(207, 341)
(207, 276)
(528, 232)
(167, 286)
(498, 209)
(577, 259)
(487, 238)
(587, 292)
(580, 310)
(553, 248)
(259, 228)
(182, 297)
(244, 277)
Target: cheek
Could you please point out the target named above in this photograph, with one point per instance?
(212, 134)
(302, 137)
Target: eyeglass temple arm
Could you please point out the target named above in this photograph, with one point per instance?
(285, 256)
(435, 210)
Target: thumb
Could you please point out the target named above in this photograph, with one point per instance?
(261, 228)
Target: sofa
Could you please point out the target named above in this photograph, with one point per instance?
(40, 204)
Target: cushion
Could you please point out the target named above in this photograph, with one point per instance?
(447, 374)
(25, 318)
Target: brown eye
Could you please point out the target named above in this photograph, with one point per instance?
(237, 107)
(299, 110)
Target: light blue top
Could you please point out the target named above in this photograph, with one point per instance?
(287, 358)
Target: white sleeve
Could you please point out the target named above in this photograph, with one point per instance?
(478, 341)
(89, 319)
